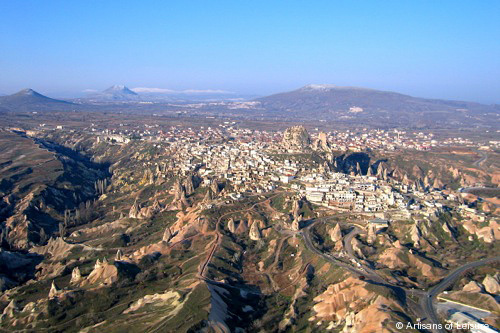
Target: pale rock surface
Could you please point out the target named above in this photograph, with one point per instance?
(76, 276)
(491, 285)
(103, 273)
(335, 233)
(254, 232)
(170, 297)
(473, 286)
(231, 226)
(296, 138)
(360, 310)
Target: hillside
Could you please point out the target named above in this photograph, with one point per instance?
(331, 102)
(30, 100)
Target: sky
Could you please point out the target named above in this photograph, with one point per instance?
(437, 49)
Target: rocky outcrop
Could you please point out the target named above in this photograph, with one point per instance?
(399, 258)
(189, 185)
(447, 229)
(335, 233)
(296, 138)
(357, 247)
(148, 178)
(415, 235)
(351, 305)
(178, 190)
(103, 273)
(10, 310)
(119, 255)
(488, 233)
(296, 208)
(254, 232)
(372, 234)
(296, 223)
(54, 290)
(491, 284)
(322, 142)
(231, 226)
(58, 248)
(134, 210)
(437, 184)
(473, 286)
(214, 186)
(168, 298)
(167, 235)
(76, 276)
(209, 196)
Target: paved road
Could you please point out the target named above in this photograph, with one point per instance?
(427, 301)
(426, 305)
(348, 240)
(482, 159)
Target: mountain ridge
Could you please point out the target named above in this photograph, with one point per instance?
(333, 102)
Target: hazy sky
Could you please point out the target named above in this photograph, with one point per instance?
(444, 49)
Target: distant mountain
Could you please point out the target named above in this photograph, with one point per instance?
(195, 95)
(119, 94)
(30, 100)
(116, 93)
(330, 102)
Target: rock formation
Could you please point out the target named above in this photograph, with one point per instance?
(156, 207)
(447, 229)
(167, 235)
(76, 276)
(357, 247)
(189, 185)
(372, 235)
(103, 273)
(415, 235)
(54, 290)
(322, 142)
(491, 284)
(335, 233)
(214, 186)
(10, 310)
(296, 208)
(134, 210)
(351, 304)
(119, 255)
(178, 190)
(296, 138)
(57, 247)
(296, 223)
(488, 234)
(254, 232)
(208, 196)
(231, 226)
(473, 287)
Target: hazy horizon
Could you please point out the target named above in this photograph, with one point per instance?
(444, 50)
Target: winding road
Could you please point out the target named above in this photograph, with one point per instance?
(427, 301)
(426, 305)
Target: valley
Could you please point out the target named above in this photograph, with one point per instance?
(227, 228)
